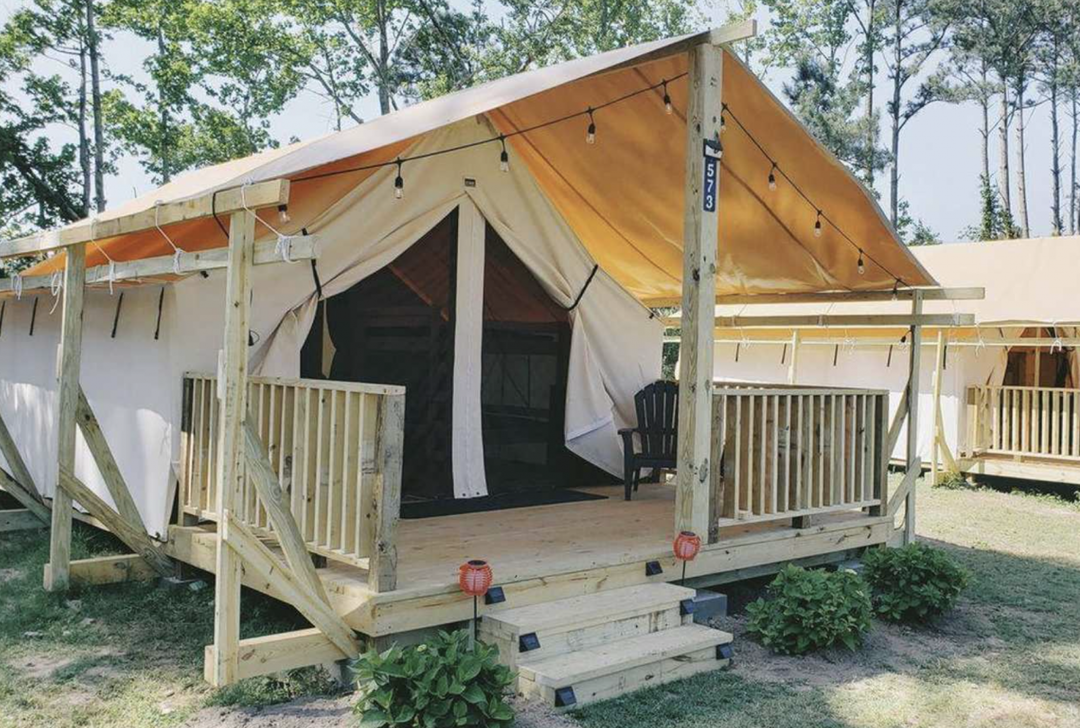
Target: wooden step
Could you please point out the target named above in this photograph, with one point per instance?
(582, 622)
(612, 669)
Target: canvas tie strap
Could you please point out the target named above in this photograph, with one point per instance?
(56, 285)
(980, 345)
(112, 263)
(17, 285)
(1059, 343)
(176, 250)
(283, 247)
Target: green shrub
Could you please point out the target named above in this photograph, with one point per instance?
(439, 683)
(913, 583)
(809, 610)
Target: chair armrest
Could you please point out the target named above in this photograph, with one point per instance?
(624, 431)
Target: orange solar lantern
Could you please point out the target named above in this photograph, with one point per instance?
(686, 547)
(474, 578)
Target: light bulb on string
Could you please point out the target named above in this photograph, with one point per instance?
(283, 213)
(817, 225)
(399, 183)
(772, 178)
(590, 134)
(862, 265)
(504, 157)
(667, 100)
(723, 121)
(896, 291)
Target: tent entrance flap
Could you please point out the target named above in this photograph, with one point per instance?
(525, 362)
(397, 327)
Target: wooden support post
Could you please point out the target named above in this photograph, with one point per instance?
(935, 408)
(25, 497)
(700, 225)
(793, 366)
(1037, 380)
(382, 562)
(19, 519)
(106, 462)
(232, 391)
(914, 363)
(57, 576)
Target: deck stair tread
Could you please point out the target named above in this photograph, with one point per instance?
(581, 611)
(622, 655)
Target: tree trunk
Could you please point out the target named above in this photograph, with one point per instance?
(84, 139)
(99, 123)
(1021, 167)
(1055, 159)
(894, 175)
(1074, 209)
(984, 102)
(1003, 155)
(383, 71)
(163, 116)
(871, 138)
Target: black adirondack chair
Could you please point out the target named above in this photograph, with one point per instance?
(657, 408)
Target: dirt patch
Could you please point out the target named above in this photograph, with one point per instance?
(41, 666)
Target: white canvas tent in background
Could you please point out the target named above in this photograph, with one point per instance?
(1029, 284)
(564, 209)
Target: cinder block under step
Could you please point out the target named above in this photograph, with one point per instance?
(540, 631)
(577, 678)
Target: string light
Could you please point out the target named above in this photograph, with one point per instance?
(504, 156)
(772, 178)
(283, 213)
(667, 99)
(590, 134)
(723, 121)
(817, 225)
(896, 292)
(862, 265)
(399, 183)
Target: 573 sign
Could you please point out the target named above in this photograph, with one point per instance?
(710, 189)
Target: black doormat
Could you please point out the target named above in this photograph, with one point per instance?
(520, 499)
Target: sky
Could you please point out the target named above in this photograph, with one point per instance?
(939, 158)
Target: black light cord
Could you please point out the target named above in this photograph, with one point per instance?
(794, 185)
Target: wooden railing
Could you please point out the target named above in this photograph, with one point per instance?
(1025, 421)
(791, 452)
(322, 439)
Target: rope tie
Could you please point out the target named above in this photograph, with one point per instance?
(849, 343)
(283, 247)
(176, 250)
(56, 285)
(17, 285)
(112, 263)
(981, 344)
(1058, 344)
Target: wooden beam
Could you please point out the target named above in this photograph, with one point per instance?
(19, 472)
(232, 393)
(300, 248)
(261, 560)
(284, 651)
(693, 503)
(67, 402)
(906, 294)
(915, 351)
(223, 202)
(724, 35)
(935, 407)
(382, 549)
(897, 423)
(914, 470)
(261, 472)
(112, 570)
(15, 489)
(134, 536)
(19, 519)
(106, 462)
(836, 320)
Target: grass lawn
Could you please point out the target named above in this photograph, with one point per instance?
(131, 655)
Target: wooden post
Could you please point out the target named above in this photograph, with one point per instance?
(232, 391)
(1037, 379)
(382, 563)
(692, 500)
(939, 360)
(914, 363)
(793, 365)
(57, 571)
(20, 484)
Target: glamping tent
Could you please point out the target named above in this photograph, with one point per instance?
(447, 303)
(1018, 358)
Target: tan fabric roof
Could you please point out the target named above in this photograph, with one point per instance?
(1031, 281)
(623, 196)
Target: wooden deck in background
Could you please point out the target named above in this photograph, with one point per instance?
(548, 552)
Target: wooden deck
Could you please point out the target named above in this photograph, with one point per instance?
(548, 552)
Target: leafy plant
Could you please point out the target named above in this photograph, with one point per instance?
(913, 583)
(442, 682)
(953, 480)
(810, 610)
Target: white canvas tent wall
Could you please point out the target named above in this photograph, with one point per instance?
(133, 382)
(1028, 284)
(563, 206)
